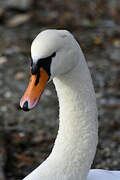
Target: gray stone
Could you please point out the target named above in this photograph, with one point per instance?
(20, 4)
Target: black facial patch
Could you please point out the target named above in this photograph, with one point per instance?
(34, 69)
(37, 78)
(44, 63)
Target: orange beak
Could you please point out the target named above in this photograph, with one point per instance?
(34, 90)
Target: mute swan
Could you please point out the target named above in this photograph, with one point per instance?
(56, 55)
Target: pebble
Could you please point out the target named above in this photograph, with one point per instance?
(3, 60)
(8, 94)
(115, 163)
(115, 54)
(12, 50)
(19, 4)
(19, 76)
(18, 20)
(3, 108)
(48, 92)
(21, 134)
(117, 43)
(1, 12)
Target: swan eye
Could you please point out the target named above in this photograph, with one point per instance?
(44, 63)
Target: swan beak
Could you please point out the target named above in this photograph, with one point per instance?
(34, 90)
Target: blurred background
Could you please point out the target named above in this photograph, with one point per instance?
(26, 138)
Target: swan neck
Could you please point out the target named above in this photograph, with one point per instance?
(75, 145)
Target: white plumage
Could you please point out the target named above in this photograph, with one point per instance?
(77, 138)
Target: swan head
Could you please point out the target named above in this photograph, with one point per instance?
(53, 53)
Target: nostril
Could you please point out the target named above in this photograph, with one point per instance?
(25, 106)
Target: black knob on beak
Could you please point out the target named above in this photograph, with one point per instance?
(25, 106)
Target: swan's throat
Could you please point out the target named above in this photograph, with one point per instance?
(76, 142)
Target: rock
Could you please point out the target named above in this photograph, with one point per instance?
(114, 4)
(19, 76)
(117, 43)
(1, 12)
(18, 20)
(115, 54)
(3, 108)
(18, 4)
(3, 60)
(8, 94)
